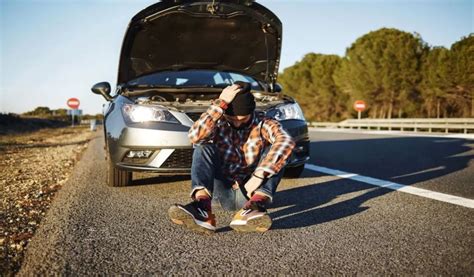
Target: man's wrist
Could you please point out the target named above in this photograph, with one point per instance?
(258, 177)
(261, 174)
(221, 103)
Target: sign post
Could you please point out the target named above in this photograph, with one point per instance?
(359, 106)
(73, 103)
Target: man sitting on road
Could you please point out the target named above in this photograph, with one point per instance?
(236, 153)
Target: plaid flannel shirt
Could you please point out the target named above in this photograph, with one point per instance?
(240, 149)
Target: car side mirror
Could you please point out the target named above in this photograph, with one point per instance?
(276, 87)
(103, 89)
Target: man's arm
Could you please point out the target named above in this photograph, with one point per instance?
(203, 129)
(282, 145)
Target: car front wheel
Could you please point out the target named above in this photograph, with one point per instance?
(294, 172)
(117, 177)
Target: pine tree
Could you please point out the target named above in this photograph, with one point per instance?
(462, 62)
(395, 72)
(436, 80)
(311, 83)
(383, 68)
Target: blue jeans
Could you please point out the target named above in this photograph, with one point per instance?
(206, 173)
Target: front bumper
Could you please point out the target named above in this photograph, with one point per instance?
(298, 129)
(172, 151)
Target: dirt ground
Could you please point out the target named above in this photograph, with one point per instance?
(33, 168)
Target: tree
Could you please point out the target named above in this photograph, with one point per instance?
(60, 112)
(436, 80)
(383, 67)
(311, 83)
(39, 111)
(296, 81)
(462, 62)
(395, 72)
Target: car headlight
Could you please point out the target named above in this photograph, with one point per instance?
(286, 111)
(140, 113)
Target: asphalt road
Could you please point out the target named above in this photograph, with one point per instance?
(323, 224)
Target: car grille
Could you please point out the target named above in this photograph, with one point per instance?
(180, 158)
(194, 116)
(135, 160)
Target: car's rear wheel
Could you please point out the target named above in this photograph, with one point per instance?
(294, 172)
(117, 177)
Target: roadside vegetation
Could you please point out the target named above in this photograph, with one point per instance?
(58, 114)
(39, 118)
(34, 166)
(38, 150)
(396, 73)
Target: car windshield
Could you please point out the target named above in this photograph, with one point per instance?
(193, 78)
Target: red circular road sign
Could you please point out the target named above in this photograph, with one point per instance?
(73, 103)
(359, 105)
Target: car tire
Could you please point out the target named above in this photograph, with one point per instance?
(117, 177)
(294, 172)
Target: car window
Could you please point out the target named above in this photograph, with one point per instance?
(238, 77)
(218, 79)
(181, 81)
(194, 78)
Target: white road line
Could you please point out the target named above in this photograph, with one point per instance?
(456, 200)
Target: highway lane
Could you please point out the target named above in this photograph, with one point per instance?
(435, 163)
(322, 223)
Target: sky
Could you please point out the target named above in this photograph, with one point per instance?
(52, 50)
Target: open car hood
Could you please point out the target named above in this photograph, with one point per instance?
(231, 35)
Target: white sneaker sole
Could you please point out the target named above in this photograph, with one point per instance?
(260, 223)
(180, 216)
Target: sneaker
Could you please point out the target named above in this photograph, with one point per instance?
(194, 217)
(253, 217)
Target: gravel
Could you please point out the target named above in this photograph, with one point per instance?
(34, 167)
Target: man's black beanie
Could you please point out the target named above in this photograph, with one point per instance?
(243, 103)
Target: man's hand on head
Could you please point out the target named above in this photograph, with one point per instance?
(228, 94)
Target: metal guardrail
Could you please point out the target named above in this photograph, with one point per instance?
(404, 124)
(88, 121)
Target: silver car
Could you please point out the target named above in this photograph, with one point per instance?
(176, 57)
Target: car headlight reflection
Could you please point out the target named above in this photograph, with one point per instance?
(286, 111)
(140, 113)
